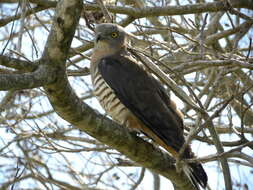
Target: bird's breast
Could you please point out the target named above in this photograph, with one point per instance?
(110, 102)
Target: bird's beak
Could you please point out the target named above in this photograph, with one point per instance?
(98, 37)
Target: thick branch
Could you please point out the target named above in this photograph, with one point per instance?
(17, 63)
(40, 77)
(73, 110)
(174, 10)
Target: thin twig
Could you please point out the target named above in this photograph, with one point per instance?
(22, 25)
(235, 12)
(166, 79)
(249, 49)
(138, 182)
(202, 37)
(11, 32)
(217, 156)
(105, 11)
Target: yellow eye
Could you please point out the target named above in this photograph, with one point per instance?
(114, 34)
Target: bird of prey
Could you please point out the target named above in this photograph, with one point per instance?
(135, 99)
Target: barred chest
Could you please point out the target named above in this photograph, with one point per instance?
(107, 97)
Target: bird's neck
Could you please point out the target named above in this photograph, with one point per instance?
(102, 50)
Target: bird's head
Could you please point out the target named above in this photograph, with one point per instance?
(108, 35)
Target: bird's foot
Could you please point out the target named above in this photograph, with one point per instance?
(179, 164)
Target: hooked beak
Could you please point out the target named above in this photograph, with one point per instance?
(98, 38)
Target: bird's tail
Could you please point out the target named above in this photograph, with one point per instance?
(196, 174)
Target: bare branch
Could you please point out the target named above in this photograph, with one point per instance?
(42, 76)
(17, 63)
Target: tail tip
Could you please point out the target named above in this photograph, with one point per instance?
(196, 174)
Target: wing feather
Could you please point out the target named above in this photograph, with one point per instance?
(145, 97)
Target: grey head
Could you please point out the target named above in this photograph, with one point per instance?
(111, 34)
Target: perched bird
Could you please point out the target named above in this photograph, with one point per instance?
(134, 98)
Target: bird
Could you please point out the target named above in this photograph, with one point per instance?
(134, 98)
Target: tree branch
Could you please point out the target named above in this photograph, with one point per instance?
(42, 76)
(72, 109)
(7, 20)
(174, 10)
(147, 11)
(214, 37)
(17, 63)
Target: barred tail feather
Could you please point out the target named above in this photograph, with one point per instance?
(196, 174)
